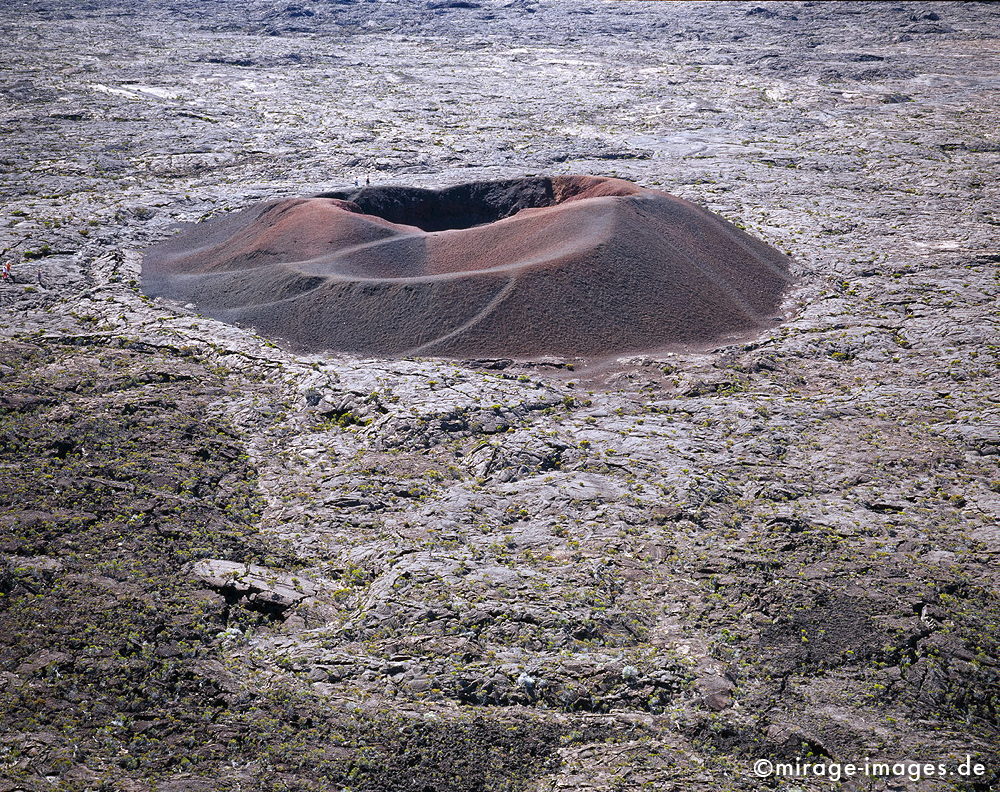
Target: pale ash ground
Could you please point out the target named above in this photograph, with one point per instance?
(731, 553)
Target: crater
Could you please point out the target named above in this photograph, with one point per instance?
(570, 266)
(454, 208)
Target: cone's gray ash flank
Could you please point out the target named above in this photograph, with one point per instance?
(576, 266)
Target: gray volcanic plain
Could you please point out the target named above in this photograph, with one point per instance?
(573, 266)
(233, 564)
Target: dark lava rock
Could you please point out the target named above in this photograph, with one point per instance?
(440, 5)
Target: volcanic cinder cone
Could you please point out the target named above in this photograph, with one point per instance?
(575, 266)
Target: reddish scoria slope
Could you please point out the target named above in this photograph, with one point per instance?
(575, 266)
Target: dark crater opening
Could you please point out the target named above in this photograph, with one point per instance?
(463, 206)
